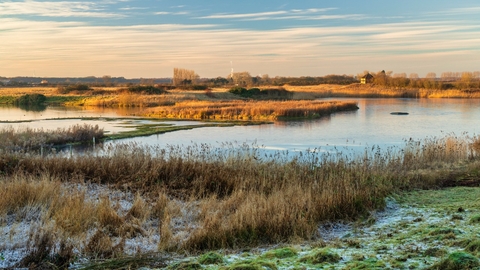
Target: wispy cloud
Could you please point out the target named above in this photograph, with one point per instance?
(79, 49)
(172, 13)
(55, 9)
(270, 15)
(241, 16)
(133, 8)
(457, 11)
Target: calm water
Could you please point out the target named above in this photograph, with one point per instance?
(371, 125)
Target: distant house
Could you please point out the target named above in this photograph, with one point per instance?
(44, 82)
(367, 78)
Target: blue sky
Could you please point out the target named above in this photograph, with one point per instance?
(148, 38)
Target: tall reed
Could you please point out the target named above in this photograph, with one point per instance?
(250, 110)
(238, 194)
(25, 138)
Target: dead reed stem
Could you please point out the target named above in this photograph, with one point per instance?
(230, 197)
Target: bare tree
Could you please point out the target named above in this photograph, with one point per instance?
(467, 78)
(183, 76)
(107, 80)
(413, 76)
(241, 78)
(431, 75)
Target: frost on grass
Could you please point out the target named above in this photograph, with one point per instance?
(141, 236)
(406, 234)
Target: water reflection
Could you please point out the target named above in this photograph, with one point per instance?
(372, 125)
(32, 107)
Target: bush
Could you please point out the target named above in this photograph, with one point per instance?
(256, 93)
(238, 91)
(198, 87)
(31, 99)
(74, 87)
(148, 89)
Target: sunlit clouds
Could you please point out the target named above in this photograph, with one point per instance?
(56, 9)
(124, 38)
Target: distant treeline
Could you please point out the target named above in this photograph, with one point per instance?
(447, 80)
(242, 79)
(104, 81)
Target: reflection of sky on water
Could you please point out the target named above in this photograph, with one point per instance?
(50, 119)
(372, 125)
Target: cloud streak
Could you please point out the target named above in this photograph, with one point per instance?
(324, 42)
(271, 15)
(55, 9)
(152, 50)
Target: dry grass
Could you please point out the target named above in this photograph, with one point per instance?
(250, 110)
(373, 91)
(25, 138)
(201, 197)
(19, 91)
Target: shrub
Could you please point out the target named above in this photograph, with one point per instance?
(148, 89)
(196, 87)
(238, 90)
(71, 88)
(31, 99)
(261, 94)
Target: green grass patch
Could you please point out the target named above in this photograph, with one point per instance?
(280, 253)
(458, 261)
(370, 263)
(473, 246)
(152, 129)
(253, 265)
(320, 256)
(451, 200)
(7, 99)
(59, 100)
(211, 258)
(475, 219)
(186, 265)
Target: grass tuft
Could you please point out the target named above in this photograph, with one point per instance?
(211, 258)
(458, 261)
(321, 256)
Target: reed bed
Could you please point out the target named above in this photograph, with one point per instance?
(373, 91)
(250, 110)
(203, 197)
(25, 138)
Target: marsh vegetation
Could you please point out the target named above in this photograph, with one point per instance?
(135, 199)
(130, 203)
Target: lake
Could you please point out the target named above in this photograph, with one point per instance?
(372, 125)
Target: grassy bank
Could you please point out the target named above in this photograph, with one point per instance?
(373, 91)
(26, 139)
(203, 198)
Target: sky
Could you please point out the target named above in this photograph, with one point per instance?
(149, 38)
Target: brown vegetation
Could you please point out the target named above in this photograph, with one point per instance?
(26, 138)
(250, 110)
(238, 196)
(376, 91)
